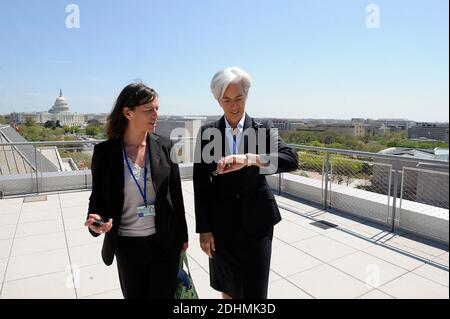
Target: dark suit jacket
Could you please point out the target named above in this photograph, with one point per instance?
(242, 200)
(107, 195)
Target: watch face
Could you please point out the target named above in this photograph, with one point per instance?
(251, 159)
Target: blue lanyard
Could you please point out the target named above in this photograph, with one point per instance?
(143, 193)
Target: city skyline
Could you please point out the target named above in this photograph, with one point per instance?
(318, 60)
(212, 115)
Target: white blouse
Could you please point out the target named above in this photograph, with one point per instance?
(131, 225)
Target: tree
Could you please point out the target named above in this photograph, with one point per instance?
(92, 130)
(30, 121)
(328, 140)
(71, 129)
(32, 133)
(2, 119)
(366, 138)
(369, 143)
(93, 122)
(45, 134)
(393, 143)
(49, 124)
(59, 131)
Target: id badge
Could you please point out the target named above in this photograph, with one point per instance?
(143, 211)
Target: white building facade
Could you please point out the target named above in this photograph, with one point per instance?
(58, 112)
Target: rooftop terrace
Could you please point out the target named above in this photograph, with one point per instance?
(46, 252)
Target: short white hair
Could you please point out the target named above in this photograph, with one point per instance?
(223, 78)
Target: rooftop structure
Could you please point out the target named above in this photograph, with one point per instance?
(21, 159)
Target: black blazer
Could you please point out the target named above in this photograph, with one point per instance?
(241, 200)
(107, 195)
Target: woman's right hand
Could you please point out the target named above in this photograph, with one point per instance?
(106, 227)
(207, 243)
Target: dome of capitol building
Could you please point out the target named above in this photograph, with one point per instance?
(61, 105)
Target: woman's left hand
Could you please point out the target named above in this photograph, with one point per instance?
(185, 246)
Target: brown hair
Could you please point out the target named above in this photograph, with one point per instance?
(132, 95)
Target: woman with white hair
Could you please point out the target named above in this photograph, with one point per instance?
(234, 206)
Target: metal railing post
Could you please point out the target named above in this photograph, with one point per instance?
(279, 184)
(36, 169)
(394, 194)
(327, 167)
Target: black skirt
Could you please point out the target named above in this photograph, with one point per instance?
(145, 269)
(240, 266)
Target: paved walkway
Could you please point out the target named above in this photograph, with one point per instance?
(45, 249)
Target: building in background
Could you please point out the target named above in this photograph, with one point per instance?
(280, 124)
(395, 125)
(60, 111)
(429, 131)
(352, 130)
(101, 118)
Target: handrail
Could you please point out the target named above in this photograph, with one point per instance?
(368, 154)
(74, 142)
(295, 146)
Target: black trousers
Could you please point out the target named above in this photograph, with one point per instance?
(146, 270)
(240, 266)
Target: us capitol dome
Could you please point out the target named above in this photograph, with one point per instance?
(59, 112)
(61, 105)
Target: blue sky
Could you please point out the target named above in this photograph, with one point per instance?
(308, 59)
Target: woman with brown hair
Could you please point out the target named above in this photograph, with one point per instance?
(137, 185)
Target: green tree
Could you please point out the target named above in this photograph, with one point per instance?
(353, 144)
(49, 124)
(373, 147)
(59, 131)
(45, 134)
(92, 130)
(2, 119)
(368, 143)
(32, 133)
(71, 129)
(30, 121)
(366, 138)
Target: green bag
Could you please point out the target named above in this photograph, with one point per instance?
(185, 288)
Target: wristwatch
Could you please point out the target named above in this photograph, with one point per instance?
(252, 159)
